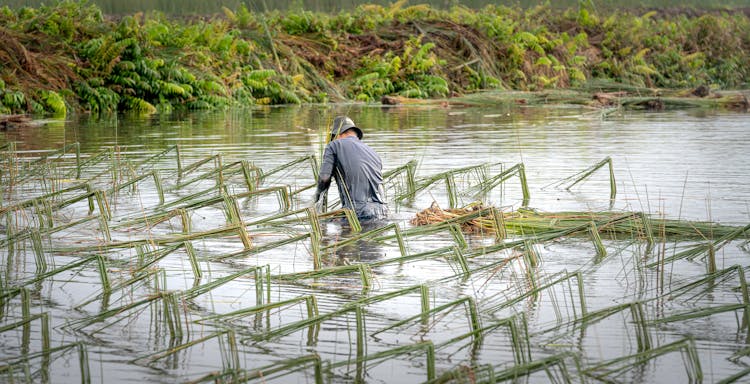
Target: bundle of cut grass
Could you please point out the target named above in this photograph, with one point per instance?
(436, 215)
(477, 218)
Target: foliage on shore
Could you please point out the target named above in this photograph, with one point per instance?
(69, 56)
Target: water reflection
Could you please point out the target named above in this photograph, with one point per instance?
(670, 164)
(365, 250)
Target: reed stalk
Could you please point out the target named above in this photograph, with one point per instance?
(713, 279)
(309, 300)
(220, 173)
(153, 174)
(104, 315)
(702, 312)
(251, 182)
(193, 166)
(586, 173)
(165, 240)
(361, 332)
(468, 303)
(27, 233)
(172, 315)
(179, 160)
(41, 261)
(446, 177)
(372, 234)
(350, 215)
(537, 290)
(426, 346)
(201, 289)
(103, 274)
(10, 364)
(286, 167)
(486, 186)
(102, 204)
(423, 290)
(158, 156)
(686, 346)
(462, 262)
(500, 231)
(140, 277)
(261, 248)
(641, 326)
(734, 378)
(409, 170)
(268, 372)
(150, 359)
(10, 292)
(326, 272)
(706, 247)
(530, 255)
(261, 281)
(601, 251)
(288, 329)
(544, 364)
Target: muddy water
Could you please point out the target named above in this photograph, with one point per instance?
(683, 165)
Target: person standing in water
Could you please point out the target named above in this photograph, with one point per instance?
(357, 169)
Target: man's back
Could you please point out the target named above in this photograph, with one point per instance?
(359, 167)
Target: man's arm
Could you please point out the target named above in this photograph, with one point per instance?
(326, 170)
(323, 184)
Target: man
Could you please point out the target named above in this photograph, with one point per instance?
(357, 170)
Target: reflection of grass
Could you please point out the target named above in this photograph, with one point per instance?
(132, 266)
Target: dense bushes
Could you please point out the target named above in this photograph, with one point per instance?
(70, 56)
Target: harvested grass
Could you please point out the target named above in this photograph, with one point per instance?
(475, 218)
(435, 215)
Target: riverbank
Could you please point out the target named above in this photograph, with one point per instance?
(71, 57)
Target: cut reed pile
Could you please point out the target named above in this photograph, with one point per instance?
(532, 221)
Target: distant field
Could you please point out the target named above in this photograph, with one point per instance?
(211, 7)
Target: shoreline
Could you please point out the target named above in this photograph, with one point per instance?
(70, 58)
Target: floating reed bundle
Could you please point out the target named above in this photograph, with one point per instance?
(477, 218)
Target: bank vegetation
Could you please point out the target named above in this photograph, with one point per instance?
(71, 57)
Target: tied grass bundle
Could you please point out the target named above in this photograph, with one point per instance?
(434, 215)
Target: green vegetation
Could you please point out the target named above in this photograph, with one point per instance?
(69, 56)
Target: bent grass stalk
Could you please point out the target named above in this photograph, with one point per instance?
(309, 301)
(290, 165)
(705, 247)
(685, 346)
(154, 174)
(10, 364)
(150, 359)
(447, 177)
(9, 292)
(426, 346)
(372, 234)
(537, 290)
(468, 303)
(487, 185)
(194, 166)
(159, 155)
(545, 364)
(409, 187)
(269, 372)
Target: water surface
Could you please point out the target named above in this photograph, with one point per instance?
(690, 165)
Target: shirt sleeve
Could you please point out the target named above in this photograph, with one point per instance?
(329, 159)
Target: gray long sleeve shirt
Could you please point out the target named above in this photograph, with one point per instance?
(361, 170)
